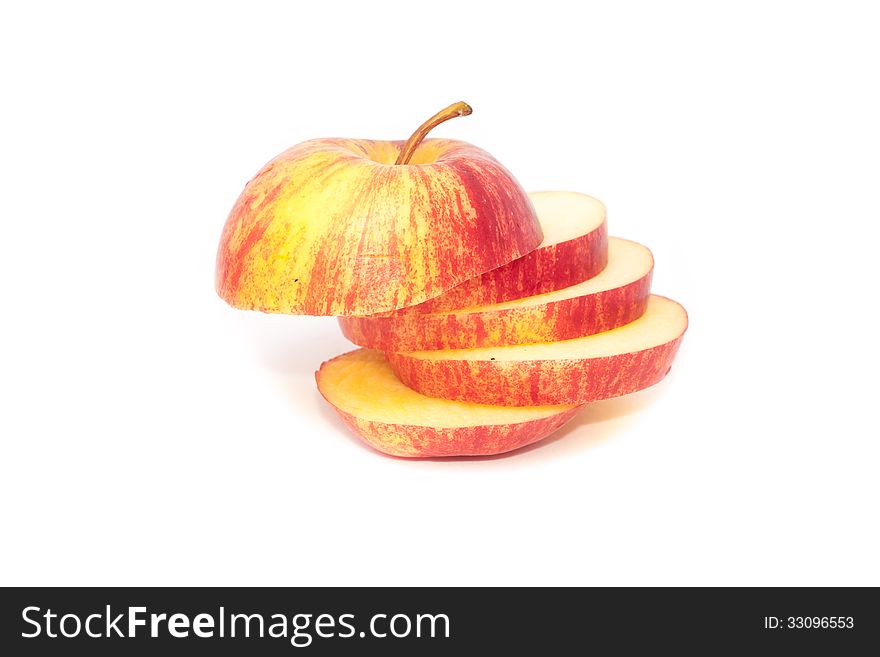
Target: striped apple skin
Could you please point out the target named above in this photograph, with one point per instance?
(536, 383)
(331, 227)
(577, 371)
(575, 248)
(550, 322)
(545, 269)
(411, 441)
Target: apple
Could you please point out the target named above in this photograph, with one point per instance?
(575, 248)
(616, 296)
(356, 226)
(398, 421)
(577, 371)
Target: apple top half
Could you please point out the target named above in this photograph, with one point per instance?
(334, 227)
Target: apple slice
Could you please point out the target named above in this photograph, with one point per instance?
(574, 249)
(576, 371)
(399, 421)
(616, 296)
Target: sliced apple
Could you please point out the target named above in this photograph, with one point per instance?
(574, 249)
(616, 296)
(397, 420)
(576, 371)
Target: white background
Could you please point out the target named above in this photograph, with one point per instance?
(153, 435)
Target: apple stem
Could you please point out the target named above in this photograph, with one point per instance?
(456, 109)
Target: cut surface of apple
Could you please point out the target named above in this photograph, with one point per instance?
(576, 371)
(574, 249)
(614, 297)
(397, 420)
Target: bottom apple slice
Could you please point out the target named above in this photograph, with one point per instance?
(399, 421)
(610, 364)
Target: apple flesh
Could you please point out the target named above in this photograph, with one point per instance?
(616, 296)
(575, 248)
(577, 371)
(398, 421)
(334, 227)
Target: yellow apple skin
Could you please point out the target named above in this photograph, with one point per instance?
(333, 227)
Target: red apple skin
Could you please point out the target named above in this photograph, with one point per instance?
(546, 269)
(433, 442)
(536, 382)
(550, 322)
(333, 227)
